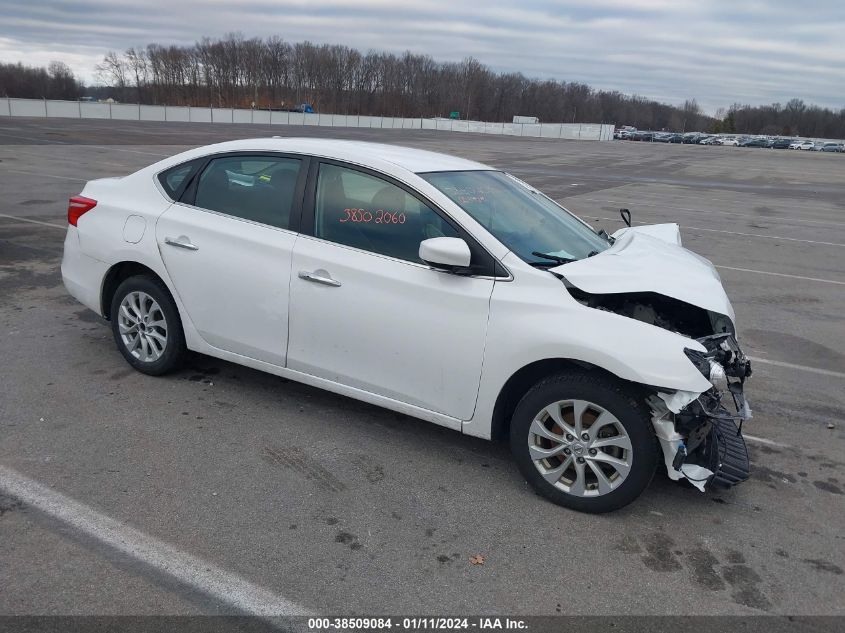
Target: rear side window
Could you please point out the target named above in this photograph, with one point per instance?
(256, 188)
(175, 179)
(360, 210)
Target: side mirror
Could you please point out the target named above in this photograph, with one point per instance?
(448, 253)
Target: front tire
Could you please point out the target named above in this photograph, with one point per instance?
(146, 326)
(584, 441)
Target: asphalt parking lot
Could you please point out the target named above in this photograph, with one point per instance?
(340, 507)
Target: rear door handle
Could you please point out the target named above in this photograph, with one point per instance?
(181, 242)
(319, 277)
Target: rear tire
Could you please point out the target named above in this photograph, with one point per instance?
(584, 441)
(146, 326)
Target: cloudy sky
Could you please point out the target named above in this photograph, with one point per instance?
(718, 51)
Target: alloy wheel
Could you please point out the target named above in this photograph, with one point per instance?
(142, 326)
(580, 448)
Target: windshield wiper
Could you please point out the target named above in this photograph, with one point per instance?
(554, 258)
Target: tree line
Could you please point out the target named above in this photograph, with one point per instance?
(235, 71)
(54, 82)
(272, 73)
(796, 118)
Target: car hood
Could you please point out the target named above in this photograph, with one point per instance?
(651, 259)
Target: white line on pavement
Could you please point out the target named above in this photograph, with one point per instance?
(768, 237)
(129, 151)
(766, 272)
(38, 141)
(18, 152)
(814, 370)
(201, 575)
(43, 175)
(669, 207)
(14, 217)
(698, 228)
(763, 440)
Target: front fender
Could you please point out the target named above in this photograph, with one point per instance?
(561, 328)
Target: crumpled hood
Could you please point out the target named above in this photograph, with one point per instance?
(651, 259)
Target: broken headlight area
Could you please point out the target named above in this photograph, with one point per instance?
(726, 367)
(701, 434)
(722, 360)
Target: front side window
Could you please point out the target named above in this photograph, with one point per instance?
(520, 217)
(360, 210)
(256, 188)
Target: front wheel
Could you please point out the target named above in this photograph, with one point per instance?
(146, 326)
(584, 441)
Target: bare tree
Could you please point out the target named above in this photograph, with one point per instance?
(113, 70)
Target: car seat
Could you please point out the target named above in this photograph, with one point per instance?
(213, 190)
(332, 203)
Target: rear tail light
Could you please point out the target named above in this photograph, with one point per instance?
(78, 205)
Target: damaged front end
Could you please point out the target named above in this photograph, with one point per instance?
(646, 275)
(701, 433)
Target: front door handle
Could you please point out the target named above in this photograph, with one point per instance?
(181, 242)
(319, 277)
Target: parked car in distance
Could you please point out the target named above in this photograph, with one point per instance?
(806, 145)
(832, 147)
(668, 137)
(420, 282)
(753, 142)
(624, 133)
(642, 136)
(730, 141)
(780, 143)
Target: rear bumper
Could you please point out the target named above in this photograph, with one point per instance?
(82, 275)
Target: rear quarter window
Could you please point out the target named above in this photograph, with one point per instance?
(175, 179)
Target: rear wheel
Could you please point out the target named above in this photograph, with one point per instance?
(584, 441)
(146, 326)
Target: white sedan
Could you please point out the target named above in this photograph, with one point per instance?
(430, 285)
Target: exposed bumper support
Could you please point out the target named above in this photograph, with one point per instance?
(701, 438)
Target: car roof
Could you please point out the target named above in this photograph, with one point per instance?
(359, 152)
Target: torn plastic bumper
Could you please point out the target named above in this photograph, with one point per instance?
(701, 433)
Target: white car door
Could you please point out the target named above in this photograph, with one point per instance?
(228, 251)
(367, 313)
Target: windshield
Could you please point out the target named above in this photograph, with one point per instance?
(523, 219)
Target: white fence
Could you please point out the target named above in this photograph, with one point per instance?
(135, 112)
